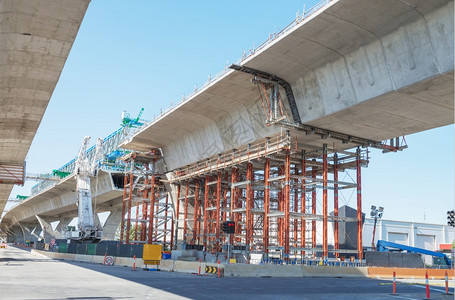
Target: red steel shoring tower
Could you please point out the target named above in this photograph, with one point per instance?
(146, 192)
(244, 210)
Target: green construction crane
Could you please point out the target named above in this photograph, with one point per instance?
(127, 121)
(60, 174)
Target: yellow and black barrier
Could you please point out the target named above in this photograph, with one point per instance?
(211, 270)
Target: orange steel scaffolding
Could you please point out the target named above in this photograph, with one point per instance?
(145, 192)
(266, 188)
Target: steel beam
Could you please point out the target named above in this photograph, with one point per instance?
(206, 204)
(218, 215)
(265, 231)
(177, 217)
(122, 223)
(130, 197)
(335, 203)
(185, 213)
(296, 206)
(313, 209)
(303, 205)
(287, 203)
(165, 221)
(248, 216)
(359, 206)
(324, 201)
(196, 211)
(152, 209)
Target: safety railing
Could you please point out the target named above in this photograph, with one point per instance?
(312, 262)
(110, 144)
(237, 157)
(245, 55)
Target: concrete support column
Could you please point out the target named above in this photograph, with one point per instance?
(112, 223)
(62, 226)
(16, 234)
(46, 228)
(31, 231)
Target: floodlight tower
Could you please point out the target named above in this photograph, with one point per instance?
(376, 214)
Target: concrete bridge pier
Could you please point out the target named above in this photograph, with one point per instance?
(177, 204)
(22, 232)
(62, 226)
(112, 223)
(47, 232)
(15, 234)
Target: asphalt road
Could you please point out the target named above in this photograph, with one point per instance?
(24, 276)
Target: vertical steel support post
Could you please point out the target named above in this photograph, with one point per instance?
(233, 203)
(122, 223)
(225, 192)
(165, 221)
(335, 203)
(313, 208)
(213, 220)
(248, 229)
(136, 225)
(303, 205)
(265, 229)
(359, 206)
(287, 203)
(171, 246)
(280, 221)
(195, 214)
(218, 215)
(157, 210)
(324, 201)
(130, 199)
(238, 204)
(296, 206)
(177, 217)
(206, 202)
(152, 209)
(185, 213)
(144, 210)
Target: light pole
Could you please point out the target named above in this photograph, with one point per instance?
(375, 213)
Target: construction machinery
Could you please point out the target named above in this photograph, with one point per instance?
(130, 122)
(385, 246)
(85, 170)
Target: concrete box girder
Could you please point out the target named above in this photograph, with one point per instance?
(373, 69)
(35, 41)
(61, 200)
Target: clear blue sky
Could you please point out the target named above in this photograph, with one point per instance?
(133, 54)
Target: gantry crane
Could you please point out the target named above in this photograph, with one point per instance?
(84, 170)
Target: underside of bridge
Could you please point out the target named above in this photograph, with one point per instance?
(35, 40)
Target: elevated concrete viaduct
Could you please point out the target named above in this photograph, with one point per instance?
(59, 203)
(371, 70)
(35, 40)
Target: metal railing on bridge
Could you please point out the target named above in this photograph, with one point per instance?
(110, 152)
(245, 55)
